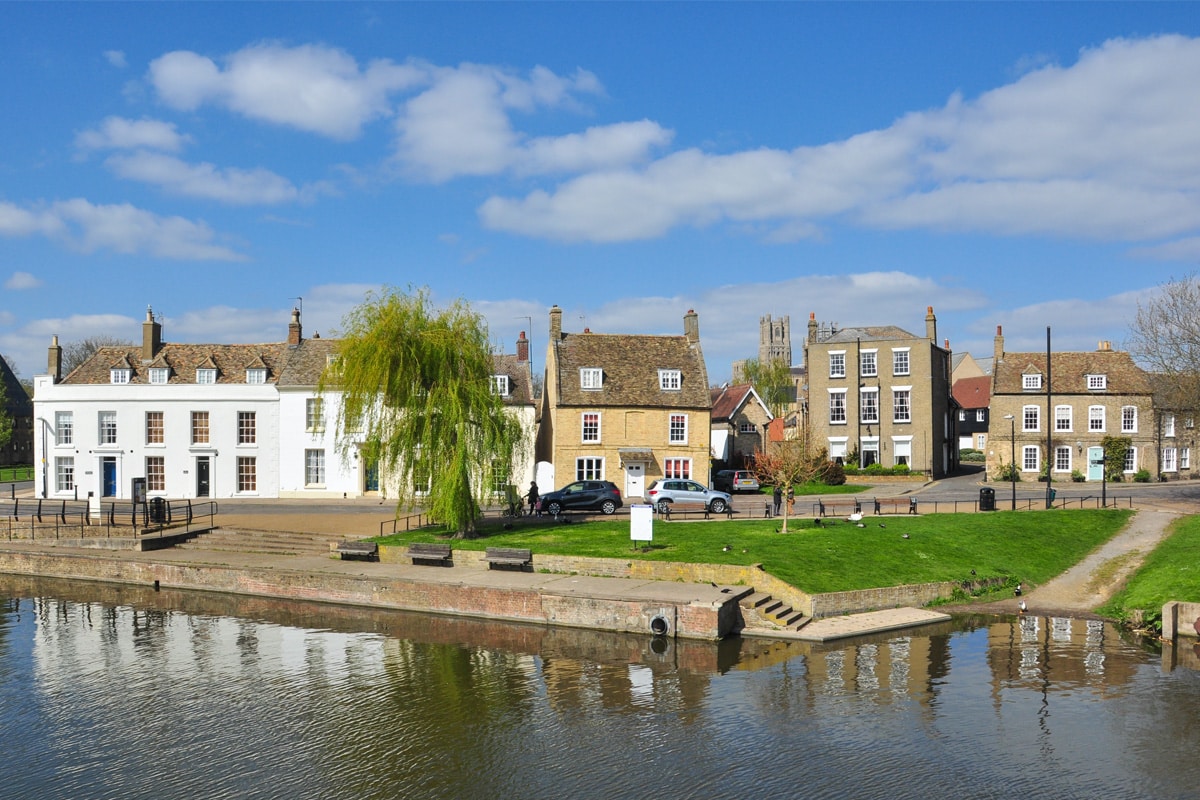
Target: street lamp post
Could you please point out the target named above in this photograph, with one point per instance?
(1012, 463)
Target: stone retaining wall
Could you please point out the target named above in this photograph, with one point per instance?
(1179, 619)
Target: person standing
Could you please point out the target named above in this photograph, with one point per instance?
(778, 498)
(533, 498)
(791, 501)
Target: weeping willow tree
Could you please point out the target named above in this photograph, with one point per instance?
(417, 395)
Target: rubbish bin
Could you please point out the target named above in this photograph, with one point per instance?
(1053, 494)
(987, 499)
(158, 509)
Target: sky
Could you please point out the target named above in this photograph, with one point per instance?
(1017, 165)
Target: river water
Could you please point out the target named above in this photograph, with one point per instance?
(120, 692)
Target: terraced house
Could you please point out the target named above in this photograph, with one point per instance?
(1059, 412)
(626, 408)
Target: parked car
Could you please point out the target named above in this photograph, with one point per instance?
(735, 480)
(602, 496)
(663, 493)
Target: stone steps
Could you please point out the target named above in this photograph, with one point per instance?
(252, 541)
(761, 610)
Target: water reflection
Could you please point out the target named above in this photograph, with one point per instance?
(109, 691)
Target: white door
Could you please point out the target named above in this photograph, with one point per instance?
(635, 480)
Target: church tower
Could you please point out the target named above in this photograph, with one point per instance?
(775, 339)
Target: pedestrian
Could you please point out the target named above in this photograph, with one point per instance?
(778, 498)
(533, 499)
(791, 501)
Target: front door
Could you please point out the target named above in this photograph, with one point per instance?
(108, 474)
(1095, 470)
(202, 476)
(370, 476)
(635, 480)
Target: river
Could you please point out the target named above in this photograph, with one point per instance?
(123, 692)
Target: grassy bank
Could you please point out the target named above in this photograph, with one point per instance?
(1030, 547)
(1171, 572)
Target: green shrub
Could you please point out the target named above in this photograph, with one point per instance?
(1077, 476)
(876, 469)
(849, 469)
(900, 469)
(1008, 473)
(1142, 476)
(834, 474)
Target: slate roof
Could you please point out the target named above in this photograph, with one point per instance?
(870, 333)
(230, 360)
(973, 392)
(630, 364)
(1070, 373)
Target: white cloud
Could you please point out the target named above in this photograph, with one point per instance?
(22, 280)
(311, 87)
(121, 228)
(1107, 148)
(117, 133)
(115, 58)
(228, 185)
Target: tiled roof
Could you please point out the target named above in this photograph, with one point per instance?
(973, 392)
(230, 361)
(1070, 371)
(520, 379)
(306, 361)
(728, 399)
(630, 364)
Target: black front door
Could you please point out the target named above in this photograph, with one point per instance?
(202, 476)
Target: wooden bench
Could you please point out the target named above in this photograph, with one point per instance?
(691, 508)
(363, 551)
(429, 553)
(838, 509)
(508, 557)
(896, 505)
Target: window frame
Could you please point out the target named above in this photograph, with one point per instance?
(591, 379)
(868, 363)
(500, 385)
(155, 428)
(247, 474)
(256, 376)
(1028, 414)
(836, 358)
(64, 428)
(1031, 381)
(314, 467)
(1129, 416)
(247, 428)
(677, 428)
(1031, 453)
(901, 354)
(201, 428)
(156, 473)
(106, 428)
(670, 380)
(206, 376)
(590, 429)
(1062, 453)
(1060, 418)
(64, 474)
(899, 392)
(1097, 382)
(1097, 419)
(836, 406)
(677, 469)
(589, 468)
(314, 415)
(865, 405)
(120, 377)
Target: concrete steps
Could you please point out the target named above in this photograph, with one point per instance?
(761, 610)
(252, 541)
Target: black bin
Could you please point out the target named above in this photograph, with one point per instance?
(987, 499)
(158, 509)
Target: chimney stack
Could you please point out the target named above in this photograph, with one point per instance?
(294, 330)
(998, 348)
(54, 360)
(151, 337)
(930, 325)
(691, 326)
(522, 347)
(555, 323)
(812, 326)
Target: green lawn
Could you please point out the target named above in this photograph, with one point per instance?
(1026, 546)
(1171, 572)
(15, 474)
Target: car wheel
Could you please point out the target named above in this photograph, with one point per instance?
(554, 508)
(718, 505)
(608, 507)
(664, 506)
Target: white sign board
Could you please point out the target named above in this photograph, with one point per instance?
(641, 522)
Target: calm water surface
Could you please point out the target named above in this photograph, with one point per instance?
(109, 692)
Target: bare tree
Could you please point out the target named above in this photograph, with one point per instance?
(75, 353)
(785, 464)
(1165, 339)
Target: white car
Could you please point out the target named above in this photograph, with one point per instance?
(663, 493)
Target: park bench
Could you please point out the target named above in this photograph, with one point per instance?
(685, 508)
(838, 509)
(430, 553)
(896, 505)
(362, 551)
(508, 557)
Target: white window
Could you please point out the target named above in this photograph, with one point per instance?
(1128, 419)
(500, 385)
(591, 426)
(108, 427)
(980, 441)
(591, 378)
(314, 467)
(1062, 418)
(247, 473)
(199, 427)
(589, 468)
(256, 375)
(64, 428)
(206, 376)
(837, 363)
(837, 406)
(160, 375)
(868, 366)
(156, 474)
(154, 427)
(901, 405)
(677, 429)
(64, 473)
(1062, 459)
(670, 380)
(1031, 381)
(1185, 458)
(1130, 460)
(1168, 461)
(869, 398)
(980, 415)
(1097, 382)
(677, 468)
(1168, 425)
(1096, 419)
(900, 361)
(247, 427)
(962, 415)
(837, 448)
(314, 415)
(1031, 418)
(119, 375)
(1030, 459)
(902, 449)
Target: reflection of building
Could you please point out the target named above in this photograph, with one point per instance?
(1036, 652)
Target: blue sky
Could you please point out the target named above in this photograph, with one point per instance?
(1023, 165)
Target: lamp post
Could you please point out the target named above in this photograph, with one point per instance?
(1012, 464)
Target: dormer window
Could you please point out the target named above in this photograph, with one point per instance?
(670, 380)
(256, 375)
(160, 375)
(1097, 382)
(1031, 381)
(119, 375)
(500, 385)
(591, 378)
(206, 376)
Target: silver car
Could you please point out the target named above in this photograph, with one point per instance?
(663, 493)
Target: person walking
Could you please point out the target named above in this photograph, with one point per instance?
(533, 499)
(791, 501)
(778, 498)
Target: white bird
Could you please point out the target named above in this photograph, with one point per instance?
(855, 517)
(1021, 605)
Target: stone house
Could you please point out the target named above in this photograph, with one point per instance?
(1061, 412)
(881, 393)
(627, 408)
(972, 396)
(739, 425)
